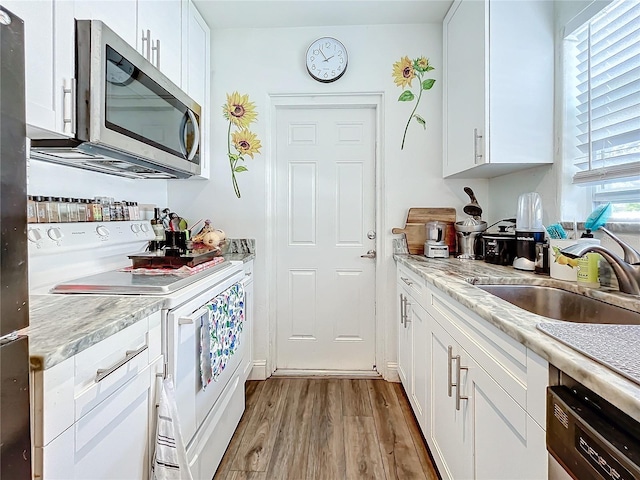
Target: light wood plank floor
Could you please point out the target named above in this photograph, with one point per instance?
(326, 429)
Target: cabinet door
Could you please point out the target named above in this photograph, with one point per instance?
(49, 51)
(465, 87)
(420, 362)
(196, 80)
(404, 340)
(163, 21)
(448, 437)
(116, 429)
(119, 15)
(508, 442)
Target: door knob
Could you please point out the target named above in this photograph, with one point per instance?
(369, 254)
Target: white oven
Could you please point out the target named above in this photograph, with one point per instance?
(76, 259)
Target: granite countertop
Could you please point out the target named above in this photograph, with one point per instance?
(239, 257)
(456, 278)
(60, 326)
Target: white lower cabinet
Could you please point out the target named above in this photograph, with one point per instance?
(110, 434)
(475, 391)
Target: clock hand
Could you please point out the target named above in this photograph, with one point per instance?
(325, 57)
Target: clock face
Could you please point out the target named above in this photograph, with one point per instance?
(326, 59)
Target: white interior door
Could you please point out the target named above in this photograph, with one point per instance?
(325, 161)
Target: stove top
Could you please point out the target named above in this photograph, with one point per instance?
(119, 282)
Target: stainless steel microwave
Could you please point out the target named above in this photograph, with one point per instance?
(130, 119)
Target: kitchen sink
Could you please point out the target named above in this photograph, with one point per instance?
(562, 305)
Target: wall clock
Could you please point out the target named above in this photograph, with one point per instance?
(326, 59)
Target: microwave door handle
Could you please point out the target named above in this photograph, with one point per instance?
(196, 135)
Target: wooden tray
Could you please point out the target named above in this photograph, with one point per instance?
(415, 227)
(159, 260)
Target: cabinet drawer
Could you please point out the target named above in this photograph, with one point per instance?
(413, 284)
(103, 368)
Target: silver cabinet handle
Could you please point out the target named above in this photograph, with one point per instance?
(406, 314)
(476, 136)
(69, 106)
(406, 280)
(450, 385)
(146, 39)
(156, 49)
(369, 254)
(459, 383)
(401, 310)
(102, 373)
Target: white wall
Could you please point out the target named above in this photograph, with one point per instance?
(262, 62)
(49, 179)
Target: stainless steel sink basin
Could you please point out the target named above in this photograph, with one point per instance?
(562, 305)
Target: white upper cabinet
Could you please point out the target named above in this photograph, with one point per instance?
(159, 36)
(196, 78)
(498, 87)
(118, 15)
(49, 65)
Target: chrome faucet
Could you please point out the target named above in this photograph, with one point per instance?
(627, 270)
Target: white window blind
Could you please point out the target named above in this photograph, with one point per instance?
(607, 95)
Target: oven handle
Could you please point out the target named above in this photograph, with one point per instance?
(191, 318)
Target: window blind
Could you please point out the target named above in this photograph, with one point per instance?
(607, 90)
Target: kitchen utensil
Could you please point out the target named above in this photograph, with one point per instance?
(598, 217)
(435, 233)
(435, 250)
(415, 228)
(556, 231)
(469, 233)
(472, 208)
(529, 215)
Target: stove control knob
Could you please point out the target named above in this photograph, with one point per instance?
(55, 234)
(135, 228)
(34, 235)
(102, 231)
(144, 227)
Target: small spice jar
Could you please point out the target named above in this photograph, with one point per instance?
(63, 209)
(82, 209)
(41, 209)
(32, 214)
(72, 205)
(53, 210)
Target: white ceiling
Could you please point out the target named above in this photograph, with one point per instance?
(305, 13)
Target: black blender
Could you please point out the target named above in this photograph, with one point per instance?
(529, 230)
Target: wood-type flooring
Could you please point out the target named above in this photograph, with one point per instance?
(326, 429)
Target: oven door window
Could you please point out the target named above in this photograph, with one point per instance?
(138, 107)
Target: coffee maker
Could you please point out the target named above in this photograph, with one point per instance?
(529, 230)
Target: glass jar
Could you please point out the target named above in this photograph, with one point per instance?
(125, 210)
(96, 209)
(63, 209)
(119, 211)
(52, 209)
(72, 205)
(41, 209)
(82, 209)
(32, 215)
(90, 211)
(106, 209)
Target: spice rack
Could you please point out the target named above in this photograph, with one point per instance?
(47, 209)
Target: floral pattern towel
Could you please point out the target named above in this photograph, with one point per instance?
(220, 332)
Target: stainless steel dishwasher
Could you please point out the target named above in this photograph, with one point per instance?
(588, 438)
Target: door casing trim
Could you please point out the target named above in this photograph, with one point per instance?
(373, 100)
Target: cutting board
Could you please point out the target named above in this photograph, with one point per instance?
(415, 229)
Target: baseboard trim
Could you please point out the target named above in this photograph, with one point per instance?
(285, 372)
(258, 371)
(392, 372)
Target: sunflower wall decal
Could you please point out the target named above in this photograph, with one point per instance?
(240, 113)
(404, 72)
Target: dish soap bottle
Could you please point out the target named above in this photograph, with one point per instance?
(589, 263)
